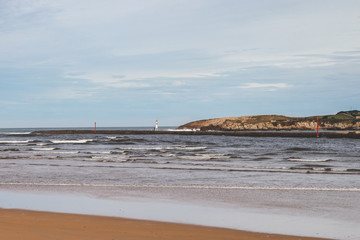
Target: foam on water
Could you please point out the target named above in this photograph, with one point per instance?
(308, 160)
(41, 144)
(44, 149)
(14, 141)
(97, 152)
(66, 152)
(77, 141)
(15, 133)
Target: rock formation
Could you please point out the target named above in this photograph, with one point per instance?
(345, 120)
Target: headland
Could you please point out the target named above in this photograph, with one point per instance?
(342, 121)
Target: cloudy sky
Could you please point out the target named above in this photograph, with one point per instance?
(69, 63)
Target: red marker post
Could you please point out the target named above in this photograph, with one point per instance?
(317, 127)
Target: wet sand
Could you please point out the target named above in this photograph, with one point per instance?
(35, 225)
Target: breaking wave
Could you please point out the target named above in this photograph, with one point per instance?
(44, 149)
(163, 148)
(14, 141)
(307, 160)
(79, 141)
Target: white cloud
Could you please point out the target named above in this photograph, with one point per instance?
(69, 93)
(162, 93)
(143, 79)
(82, 31)
(293, 60)
(5, 102)
(265, 86)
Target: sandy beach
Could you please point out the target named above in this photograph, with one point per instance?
(31, 225)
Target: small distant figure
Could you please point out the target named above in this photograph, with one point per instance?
(156, 125)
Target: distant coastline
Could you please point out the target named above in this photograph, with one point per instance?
(344, 124)
(298, 134)
(344, 120)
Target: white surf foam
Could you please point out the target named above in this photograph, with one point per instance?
(204, 157)
(43, 149)
(183, 130)
(15, 142)
(66, 152)
(15, 133)
(97, 152)
(307, 160)
(41, 144)
(72, 141)
(163, 148)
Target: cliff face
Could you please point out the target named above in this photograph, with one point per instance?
(340, 121)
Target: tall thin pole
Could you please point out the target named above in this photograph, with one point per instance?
(95, 127)
(317, 127)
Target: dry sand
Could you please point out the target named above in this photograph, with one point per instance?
(34, 225)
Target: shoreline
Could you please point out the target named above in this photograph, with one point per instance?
(297, 213)
(31, 225)
(292, 134)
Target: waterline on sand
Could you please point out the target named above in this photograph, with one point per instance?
(251, 219)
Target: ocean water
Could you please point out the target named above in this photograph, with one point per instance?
(300, 186)
(180, 161)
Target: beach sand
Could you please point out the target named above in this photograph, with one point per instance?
(35, 225)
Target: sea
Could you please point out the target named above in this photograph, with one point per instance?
(310, 176)
(177, 160)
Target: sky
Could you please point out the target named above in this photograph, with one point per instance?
(121, 63)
